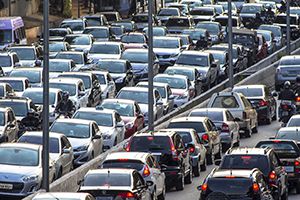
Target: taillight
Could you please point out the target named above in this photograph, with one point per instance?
(244, 115)
(146, 171)
(205, 137)
(298, 99)
(255, 187)
(263, 103)
(272, 176)
(128, 147)
(297, 166)
(204, 187)
(173, 150)
(192, 149)
(225, 128)
(126, 195)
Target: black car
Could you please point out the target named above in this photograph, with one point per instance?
(168, 149)
(261, 99)
(294, 20)
(177, 24)
(252, 15)
(289, 155)
(234, 184)
(265, 160)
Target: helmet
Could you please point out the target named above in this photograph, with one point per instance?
(38, 63)
(269, 8)
(30, 112)
(65, 95)
(298, 79)
(287, 85)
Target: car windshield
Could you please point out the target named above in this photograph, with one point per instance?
(102, 119)
(69, 87)
(56, 47)
(293, 122)
(275, 30)
(124, 164)
(57, 66)
(37, 97)
(267, 36)
(250, 92)
(24, 53)
(194, 60)
(5, 61)
(59, 33)
(195, 34)
(173, 82)
(77, 58)
(111, 17)
(215, 116)
(203, 12)
(178, 22)
(124, 109)
(101, 78)
(112, 66)
(166, 43)
(74, 26)
(15, 84)
(138, 96)
(115, 30)
(157, 31)
(133, 39)
(168, 12)
(20, 108)
(213, 29)
(198, 126)
(19, 156)
(221, 57)
(161, 89)
(224, 21)
(2, 118)
(251, 9)
(282, 149)
(150, 144)
(295, 61)
(93, 21)
(290, 135)
(72, 130)
(32, 76)
(186, 72)
(5, 36)
(225, 102)
(105, 49)
(127, 25)
(53, 142)
(135, 56)
(140, 18)
(245, 162)
(246, 40)
(104, 179)
(78, 40)
(295, 11)
(97, 32)
(85, 78)
(230, 185)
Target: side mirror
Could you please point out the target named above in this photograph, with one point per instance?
(237, 119)
(218, 162)
(96, 137)
(66, 151)
(149, 183)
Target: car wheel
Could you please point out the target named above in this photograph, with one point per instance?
(203, 166)
(196, 169)
(298, 188)
(59, 173)
(189, 178)
(209, 158)
(248, 133)
(163, 194)
(219, 154)
(269, 119)
(254, 130)
(180, 183)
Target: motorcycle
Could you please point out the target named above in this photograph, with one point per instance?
(286, 108)
(63, 115)
(297, 103)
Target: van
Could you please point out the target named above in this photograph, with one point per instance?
(12, 31)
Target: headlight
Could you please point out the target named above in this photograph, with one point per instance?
(30, 178)
(119, 80)
(83, 148)
(106, 137)
(129, 125)
(174, 55)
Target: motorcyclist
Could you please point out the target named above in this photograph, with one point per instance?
(201, 43)
(30, 121)
(65, 106)
(287, 93)
(258, 20)
(270, 14)
(282, 8)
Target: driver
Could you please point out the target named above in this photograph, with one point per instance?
(65, 106)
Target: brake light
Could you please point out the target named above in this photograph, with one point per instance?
(173, 150)
(255, 187)
(244, 115)
(276, 141)
(126, 195)
(123, 159)
(204, 187)
(229, 176)
(297, 99)
(263, 103)
(192, 149)
(205, 137)
(272, 176)
(297, 166)
(225, 128)
(146, 171)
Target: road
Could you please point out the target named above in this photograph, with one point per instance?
(190, 191)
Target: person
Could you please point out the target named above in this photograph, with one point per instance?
(270, 14)
(38, 63)
(296, 87)
(287, 93)
(282, 8)
(65, 106)
(30, 120)
(258, 20)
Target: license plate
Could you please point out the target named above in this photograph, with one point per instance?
(104, 198)
(5, 186)
(289, 168)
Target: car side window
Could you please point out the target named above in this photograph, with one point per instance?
(66, 142)
(10, 116)
(59, 97)
(63, 144)
(209, 125)
(246, 102)
(150, 162)
(274, 160)
(15, 59)
(261, 181)
(93, 130)
(196, 136)
(118, 118)
(137, 109)
(229, 116)
(8, 89)
(137, 180)
(96, 128)
(267, 91)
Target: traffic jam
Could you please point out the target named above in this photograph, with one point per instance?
(98, 98)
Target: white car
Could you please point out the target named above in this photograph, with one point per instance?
(36, 95)
(76, 25)
(19, 84)
(34, 75)
(63, 196)
(84, 136)
(109, 122)
(79, 42)
(103, 50)
(107, 84)
(75, 87)
(61, 151)
(294, 121)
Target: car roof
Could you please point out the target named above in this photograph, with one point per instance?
(65, 80)
(128, 155)
(4, 109)
(74, 121)
(40, 89)
(95, 110)
(241, 173)
(169, 133)
(189, 119)
(137, 50)
(136, 89)
(212, 51)
(21, 145)
(28, 69)
(290, 57)
(40, 133)
(294, 116)
(209, 110)
(60, 60)
(193, 52)
(166, 38)
(289, 129)
(71, 52)
(107, 43)
(172, 76)
(127, 101)
(155, 84)
(178, 129)
(187, 68)
(247, 150)
(87, 73)
(248, 86)
(111, 171)
(15, 99)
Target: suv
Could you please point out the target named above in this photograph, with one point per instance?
(265, 160)
(235, 184)
(168, 149)
(289, 155)
(239, 107)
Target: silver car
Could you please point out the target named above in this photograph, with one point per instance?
(63, 196)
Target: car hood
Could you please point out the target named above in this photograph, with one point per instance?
(98, 56)
(54, 74)
(77, 142)
(247, 15)
(80, 47)
(106, 129)
(56, 38)
(27, 63)
(139, 66)
(2, 128)
(11, 172)
(166, 51)
(134, 45)
(116, 76)
(144, 107)
(54, 156)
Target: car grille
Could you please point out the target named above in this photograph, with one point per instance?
(164, 56)
(17, 187)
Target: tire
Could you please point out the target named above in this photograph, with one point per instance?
(219, 154)
(180, 184)
(59, 173)
(189, 178)
(203, 166)
(269, 119)
(248, 133)
(254, 130)
(297, 188)
(196, 169)
(162, 195)
(209, 158)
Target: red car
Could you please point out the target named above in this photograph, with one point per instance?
(262, 47)
(130, 113)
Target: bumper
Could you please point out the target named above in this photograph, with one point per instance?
(225, 139)
(173, 175)
(293, 178)
(20, 189)
(81, 157)
(262, 113)
(244, 124)
(195, 160)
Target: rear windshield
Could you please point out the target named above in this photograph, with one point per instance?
(290, 135)
(230, 185)
(282, 149)
(290, 62)
(250, 92)
(212, 115)
(225, 102)
(112, 179)
(123, 163)
(246, 162)
(198, 126)
(150, 144)
(186, 137)
(294, 122)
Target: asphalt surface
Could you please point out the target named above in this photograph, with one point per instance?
(190, 191)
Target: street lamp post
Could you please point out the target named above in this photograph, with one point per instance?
(150, 66)
(288, 28)
(229, 32)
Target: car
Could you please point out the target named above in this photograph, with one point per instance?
(169, 151)
(27, 54)
(280, 20)
(24, 175)
(80, 58)
(203, 13)
(58, 34)
(229, 184)
(63, 196)
(58, 46)
(129, 26)
(196, 148)
(76, 25)
(223, 58)
(9, 125)
(141, 20)
(96, 20)
(140, 95)
(287, 70)
(84, 136)
(145, 164)
(91, 84)
(164, 14)
(270, 40)
(218, 9)
(183, 8)
(99, 33)
(265, 160)
(116, 184)
(233, 7)
(187, 42)
(240, 108)
(110, 123)
(6, 90)
(289, 155)
(117, 31)
(58, 66)
(120, 70)
(277, 32)
(198, 34)
(134, 40)
(207, 132)
(223, 20)
(214, 29)
(294, 121)
(289, 133)
(106, 50)
(61, 151)
(205, 64)
(36, 95)
(112, 16)
(261, 99)
(9, 60)
(192, 73)
(224, 121)
(191, 3)
(75, 88)
(138, 59)
(175, 24)
(130, 113)
(34, 75)
(79, 42)
(180, 85)
(167, 50)
(18, 84)
(250, 12)
(165, 92)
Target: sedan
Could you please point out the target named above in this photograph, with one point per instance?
(164, 14)
(294, 121)
(214, 29)
(57, 66)
(102, 50)
(99, 33)
(134, 40)
(80, 58)
(34, 75)
(84, 136)
(79, 42)
(18, 84)
(8, 125)
(61, 151)
(157, 31)
(55, 47)
(63, 196)
(277, 32)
